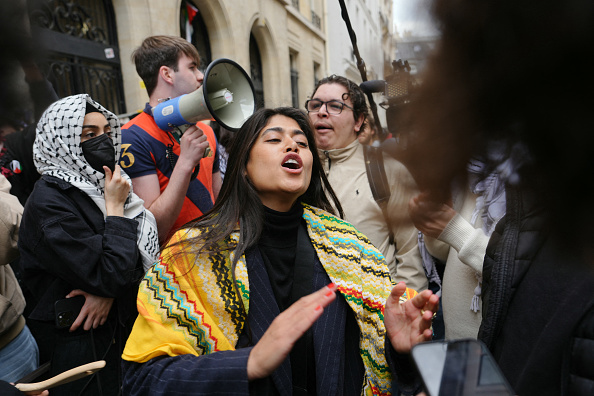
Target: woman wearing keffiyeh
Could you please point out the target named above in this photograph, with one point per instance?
(84, 233)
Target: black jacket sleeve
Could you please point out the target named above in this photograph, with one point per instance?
(406, 380)
(100, 264)
(220, 373)
(66, 244)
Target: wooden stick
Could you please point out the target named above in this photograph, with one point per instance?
(62, 378)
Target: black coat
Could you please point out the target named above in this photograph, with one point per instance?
(65, 244)
(538, 304)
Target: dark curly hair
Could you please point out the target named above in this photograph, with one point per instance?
(353, 92)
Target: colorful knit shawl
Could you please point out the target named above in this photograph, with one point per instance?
(187, 304)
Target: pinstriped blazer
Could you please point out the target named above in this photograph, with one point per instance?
(339, 370)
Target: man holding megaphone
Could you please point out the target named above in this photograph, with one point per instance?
(175, 172)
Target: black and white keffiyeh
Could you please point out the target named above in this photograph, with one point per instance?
(57, 152)
(487, 178)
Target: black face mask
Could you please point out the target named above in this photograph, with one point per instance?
(99, 152)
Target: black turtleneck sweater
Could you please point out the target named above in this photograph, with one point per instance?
(278, 246)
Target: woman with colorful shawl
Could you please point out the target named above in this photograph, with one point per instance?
(271, 293)
(83, 234)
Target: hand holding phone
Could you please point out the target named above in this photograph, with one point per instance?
(93, 313)
(67, 311)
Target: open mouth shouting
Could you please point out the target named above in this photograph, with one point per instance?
(292, 163)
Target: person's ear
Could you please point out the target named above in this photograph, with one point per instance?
(359, 122)
(166, 73)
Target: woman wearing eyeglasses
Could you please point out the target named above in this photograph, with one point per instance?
(338, 110)
(270, 293)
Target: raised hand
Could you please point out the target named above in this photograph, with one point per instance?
(93, 313)
(277, 342)
(116, 191)
(430, 217)
(193, 144)
(409, 323)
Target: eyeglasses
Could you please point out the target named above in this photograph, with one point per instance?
(332, 106)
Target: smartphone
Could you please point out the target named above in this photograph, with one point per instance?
(67, 310)
(459, 368)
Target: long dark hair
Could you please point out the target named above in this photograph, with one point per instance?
(238, 203)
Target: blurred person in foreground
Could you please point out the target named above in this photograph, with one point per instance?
(503, 72)
(16, 161)
(19, 57)
(270, 293)
(19, 354)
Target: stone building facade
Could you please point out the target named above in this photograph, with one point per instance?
(285, 45)
(372, 23)
(281, 31)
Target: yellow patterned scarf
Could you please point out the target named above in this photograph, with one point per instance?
(187, 304)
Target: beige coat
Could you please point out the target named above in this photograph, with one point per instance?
(12, 302)
(345, 169)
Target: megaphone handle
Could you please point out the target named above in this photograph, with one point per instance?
(207, 152)
(195, 173)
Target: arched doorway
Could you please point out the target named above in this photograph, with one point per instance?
(256, 73)
(82, 49)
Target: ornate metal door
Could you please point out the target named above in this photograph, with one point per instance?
(82, 51)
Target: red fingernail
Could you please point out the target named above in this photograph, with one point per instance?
(329, 293)
(330, 285)
(318, 308)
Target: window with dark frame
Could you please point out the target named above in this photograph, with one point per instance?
(294, 80)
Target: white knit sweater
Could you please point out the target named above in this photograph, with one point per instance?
(462, 246)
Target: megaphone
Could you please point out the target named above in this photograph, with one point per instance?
(226, 96)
